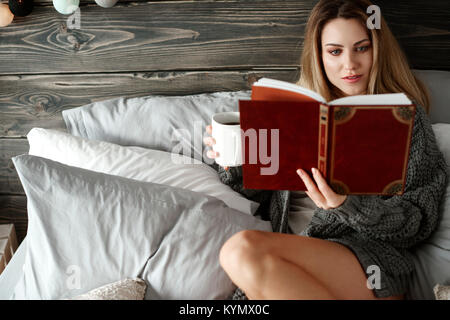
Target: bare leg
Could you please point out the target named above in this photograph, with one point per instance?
(277, 282)
(269, 265)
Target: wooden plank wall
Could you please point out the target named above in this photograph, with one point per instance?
(139, 48)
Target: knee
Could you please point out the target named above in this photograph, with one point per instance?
(242, 249)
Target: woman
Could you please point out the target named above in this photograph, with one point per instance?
(353, 247)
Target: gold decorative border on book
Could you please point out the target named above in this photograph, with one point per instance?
(403, 114)
(323, 119)
(343, 114)
(395, 187)
(339, 187)
(346, 115)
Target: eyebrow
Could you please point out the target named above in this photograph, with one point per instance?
(340, 45)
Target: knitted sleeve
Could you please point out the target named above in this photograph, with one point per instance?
(233, 178)
(403, 220)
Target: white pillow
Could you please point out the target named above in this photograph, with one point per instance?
(135, 163)
(432, 257)
(86, 229)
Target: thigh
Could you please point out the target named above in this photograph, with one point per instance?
(330, 263)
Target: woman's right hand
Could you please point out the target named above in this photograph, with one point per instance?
(209, 141)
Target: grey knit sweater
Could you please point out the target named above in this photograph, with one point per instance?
(380, 230)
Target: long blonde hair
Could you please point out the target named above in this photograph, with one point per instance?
(390, 72)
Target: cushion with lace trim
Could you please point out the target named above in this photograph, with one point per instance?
(126, 289)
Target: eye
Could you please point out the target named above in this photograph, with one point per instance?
(362, 49)
(335, 52)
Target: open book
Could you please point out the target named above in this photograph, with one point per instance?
(360, 144)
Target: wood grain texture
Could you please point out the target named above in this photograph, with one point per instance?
(9, 180)
(423, 30)
(198, 35)
(37, 100)
(157, 36)
(13, 210)
(88, 2)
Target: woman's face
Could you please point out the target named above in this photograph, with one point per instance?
(346, 52)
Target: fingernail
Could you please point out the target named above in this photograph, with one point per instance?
(313, 170)
(300, 173)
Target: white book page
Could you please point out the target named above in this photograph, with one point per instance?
(373, 99)
(277, 84)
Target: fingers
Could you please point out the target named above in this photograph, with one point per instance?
(209, 141)
(212, 154)
(320, 192)
(322, 184)
(313, 192)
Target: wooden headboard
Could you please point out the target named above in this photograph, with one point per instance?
(138, 48)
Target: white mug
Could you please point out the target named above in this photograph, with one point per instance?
(226, 130)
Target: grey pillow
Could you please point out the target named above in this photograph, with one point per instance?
(438, 83)
(432, 258)
(174, 124)
(87, 229)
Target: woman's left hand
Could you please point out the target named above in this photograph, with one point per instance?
(320, 192)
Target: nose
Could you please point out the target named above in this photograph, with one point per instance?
(350, 61)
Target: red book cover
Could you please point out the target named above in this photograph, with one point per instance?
(359, 149)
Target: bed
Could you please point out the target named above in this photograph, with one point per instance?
(178, 59)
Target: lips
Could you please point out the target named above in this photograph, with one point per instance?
(352, 79)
